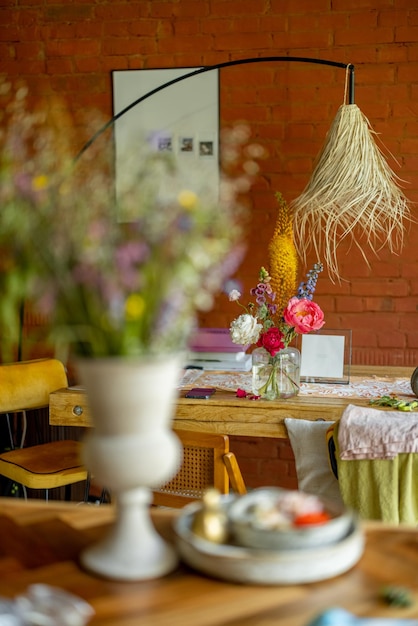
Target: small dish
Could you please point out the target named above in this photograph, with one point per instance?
(231, 562)
(247, 529)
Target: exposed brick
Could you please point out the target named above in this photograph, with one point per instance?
(363, 35)
(364, 339)
(364, 19)
(393, 17)
(349, 304)
(122, 10)
(30, 51)
(289, 482)
(385, 269)
(67, 48)
(273, 469)
(22, 68)
(273, 23)
(409, 146)
(412, 339)
(235, 41)
(408, 305)
(392, 54)
(110, 63)
(391, 339)
(377, 320)
(355, 5)
(88, 30)
(191, 8)
(380, 287)
(237, 7)
(197, 42)
(71, 48)
(68, 12)
(302, 40)
(255, 448)
(285, 451)
(303, 6)
(60, 66)
(379, 304)
(88, 64)
(59, 31)
(117, 29)
(406, 33)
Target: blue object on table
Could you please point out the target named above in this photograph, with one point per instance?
(341, 617)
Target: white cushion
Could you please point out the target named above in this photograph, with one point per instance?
(308, 441)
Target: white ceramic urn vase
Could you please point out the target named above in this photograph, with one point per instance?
(131, 450)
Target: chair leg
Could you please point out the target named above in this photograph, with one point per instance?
(105, 496)
(67, 492)
(87, 488)
(234, 473)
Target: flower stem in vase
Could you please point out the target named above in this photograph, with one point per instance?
(278, 376)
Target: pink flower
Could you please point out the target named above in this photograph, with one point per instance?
(271, 340)
(241, 393)
(304, 315)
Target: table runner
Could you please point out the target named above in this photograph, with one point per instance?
(358, 387)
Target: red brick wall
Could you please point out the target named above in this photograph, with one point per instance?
(265, 462)
(69, 49)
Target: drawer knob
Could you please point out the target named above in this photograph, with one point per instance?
(78, 410)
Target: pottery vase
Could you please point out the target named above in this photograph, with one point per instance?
(130, 451)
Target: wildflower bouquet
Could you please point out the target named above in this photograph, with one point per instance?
(276, 366)
(111, 287)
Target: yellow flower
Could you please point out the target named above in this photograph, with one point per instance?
(40, 182)
(134, 307)
(187, 199)
(283, 256)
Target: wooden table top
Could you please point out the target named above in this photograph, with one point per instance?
(40, 543)
(227, 414)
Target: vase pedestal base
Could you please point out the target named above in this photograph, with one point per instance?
(133, 549)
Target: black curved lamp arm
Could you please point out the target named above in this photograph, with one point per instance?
(209, 68)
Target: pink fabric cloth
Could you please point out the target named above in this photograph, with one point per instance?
(365, 433)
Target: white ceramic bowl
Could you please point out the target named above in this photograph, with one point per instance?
(247, 532)
(231, 562)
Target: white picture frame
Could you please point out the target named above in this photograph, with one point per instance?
(326, 356)
(175, 118)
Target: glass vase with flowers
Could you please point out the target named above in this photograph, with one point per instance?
(276, 364)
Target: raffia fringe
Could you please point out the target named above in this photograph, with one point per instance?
(352, 192)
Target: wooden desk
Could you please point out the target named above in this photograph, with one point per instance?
(40, 543)
(227, 414)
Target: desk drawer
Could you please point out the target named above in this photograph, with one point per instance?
(69, 407)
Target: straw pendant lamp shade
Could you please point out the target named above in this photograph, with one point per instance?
(352, 193)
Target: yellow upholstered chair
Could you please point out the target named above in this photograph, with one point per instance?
(25, 386)
(207, 462)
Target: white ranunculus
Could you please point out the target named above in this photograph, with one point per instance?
(245, 329)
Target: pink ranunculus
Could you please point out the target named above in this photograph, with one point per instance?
(304, 315)
(271, 340)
